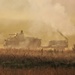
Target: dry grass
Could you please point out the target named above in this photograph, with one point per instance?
(38, 71)
(34, 56)
(67, 55)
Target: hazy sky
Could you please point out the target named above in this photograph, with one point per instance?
(24, 6)
(44, 16)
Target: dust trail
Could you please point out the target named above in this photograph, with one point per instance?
(46, 17)
(54, 15)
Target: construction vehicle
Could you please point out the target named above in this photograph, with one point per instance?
(14, 40)
(20, 41)
(59, 45)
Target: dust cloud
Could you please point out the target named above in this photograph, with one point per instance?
(47, 17)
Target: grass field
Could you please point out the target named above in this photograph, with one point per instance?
(38, 71)
(34, 62)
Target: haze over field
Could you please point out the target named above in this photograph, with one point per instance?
(38, 18)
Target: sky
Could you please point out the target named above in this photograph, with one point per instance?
(38, 18)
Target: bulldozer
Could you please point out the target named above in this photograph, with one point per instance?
(59, 45)
(20, 41)
(14, 40)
